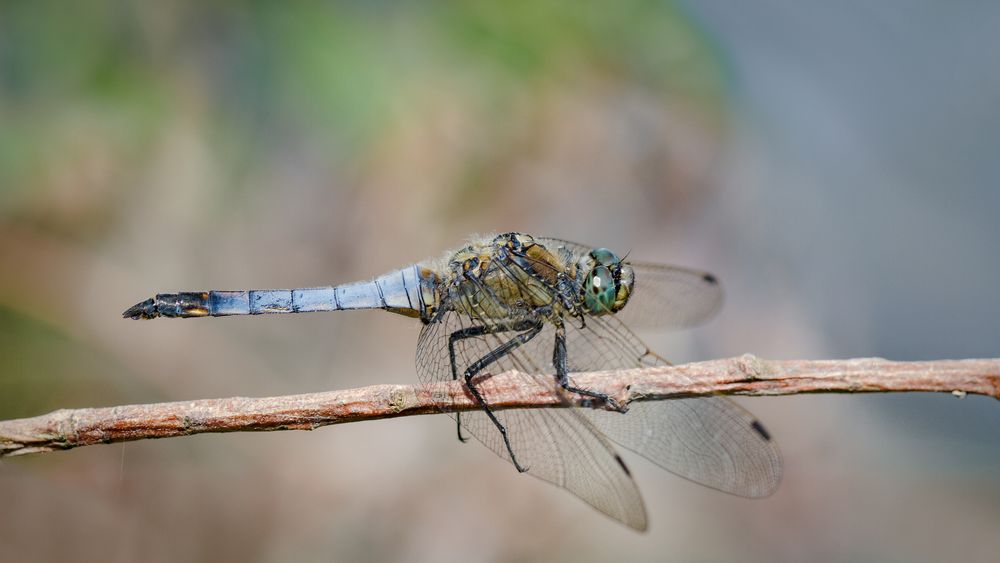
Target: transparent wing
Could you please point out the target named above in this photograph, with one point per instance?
(711, 440)
(664, 297)
(670, 297)
(557, 445)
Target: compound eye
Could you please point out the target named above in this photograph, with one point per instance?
(600, 291)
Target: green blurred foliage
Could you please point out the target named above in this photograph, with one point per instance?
(262, 74)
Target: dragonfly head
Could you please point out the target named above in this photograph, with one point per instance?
(605, 281)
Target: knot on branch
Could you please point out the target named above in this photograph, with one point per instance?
(750, 368)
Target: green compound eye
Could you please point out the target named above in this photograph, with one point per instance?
(606, 282)
(599, 293)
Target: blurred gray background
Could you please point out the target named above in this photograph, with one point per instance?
(834, 164)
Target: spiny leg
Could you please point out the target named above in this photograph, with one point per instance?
(531, 328)
(472, 332)
(562, 375)
(456, 336)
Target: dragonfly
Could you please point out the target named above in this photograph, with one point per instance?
(544, 309)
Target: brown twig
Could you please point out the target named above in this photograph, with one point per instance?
(745, 375)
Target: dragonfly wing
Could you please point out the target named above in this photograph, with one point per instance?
(710, 440)
(664, 297)
(670, 297)
(557, 445)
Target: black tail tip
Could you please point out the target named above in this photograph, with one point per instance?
(144, 310)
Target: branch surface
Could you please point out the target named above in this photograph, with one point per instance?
(744, 375)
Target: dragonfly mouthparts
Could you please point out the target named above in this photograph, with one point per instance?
(143, 310)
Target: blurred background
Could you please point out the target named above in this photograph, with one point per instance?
(834, 163)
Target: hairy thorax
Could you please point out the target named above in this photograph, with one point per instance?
(503, 278)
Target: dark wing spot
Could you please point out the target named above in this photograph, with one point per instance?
(709, 278)
(621, 462)
(756, 425)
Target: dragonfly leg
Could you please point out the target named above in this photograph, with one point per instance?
(562, 374)
(455, 337)
(472, 332)
(531, 329)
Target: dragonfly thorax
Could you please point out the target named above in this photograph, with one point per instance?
(512, 276)
(508, 277)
